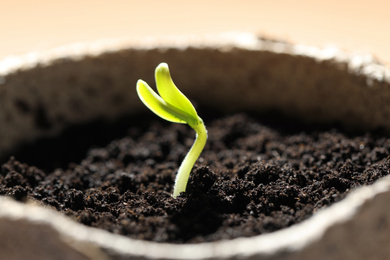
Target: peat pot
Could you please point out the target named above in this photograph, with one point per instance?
(43, 93)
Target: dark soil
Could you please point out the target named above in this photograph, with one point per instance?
(252, 178)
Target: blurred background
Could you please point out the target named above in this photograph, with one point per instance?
(33, 25)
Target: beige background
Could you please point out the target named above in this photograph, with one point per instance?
(30, 25)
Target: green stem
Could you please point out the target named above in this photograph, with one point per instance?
(186, 166)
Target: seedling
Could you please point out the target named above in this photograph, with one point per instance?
(173, 106)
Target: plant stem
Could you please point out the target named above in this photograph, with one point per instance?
(186, 166)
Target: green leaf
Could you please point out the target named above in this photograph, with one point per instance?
(155, 103)
(171, 94)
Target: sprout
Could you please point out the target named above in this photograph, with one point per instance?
(173, 106)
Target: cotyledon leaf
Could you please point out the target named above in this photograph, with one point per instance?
(155, 103)
(170, 93)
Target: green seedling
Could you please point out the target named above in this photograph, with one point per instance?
(173, 106)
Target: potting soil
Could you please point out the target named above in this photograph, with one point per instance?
(253, 177)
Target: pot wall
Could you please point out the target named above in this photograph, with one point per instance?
(226, 74)
(261, 76)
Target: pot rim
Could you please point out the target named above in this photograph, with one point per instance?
(358, 63)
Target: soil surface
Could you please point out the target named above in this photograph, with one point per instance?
(252, 177)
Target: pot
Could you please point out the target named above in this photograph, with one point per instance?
(44, 93)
